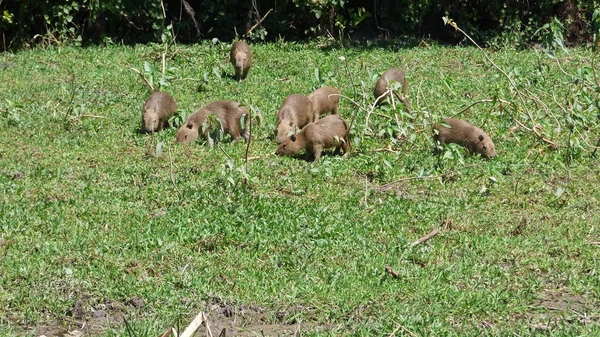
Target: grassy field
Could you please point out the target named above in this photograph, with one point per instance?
(97, 226)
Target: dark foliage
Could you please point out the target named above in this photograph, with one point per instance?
(27, 22)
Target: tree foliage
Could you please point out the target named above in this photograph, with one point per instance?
(27, 22)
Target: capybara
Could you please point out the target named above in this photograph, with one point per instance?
(392, 74)
(295, 112)
(159, 107)
(331, 131)
(228, 113)
(324, 100)
(241, 59)
(463, 133)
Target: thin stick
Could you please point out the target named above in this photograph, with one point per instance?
(162, 5)
(425, 238)
(167, 333)
(194, 325)
(403, 328)
(207, 326)
(144, 78)
(392, 273)
(389, 91)
(222, 149)
(258, 23)
(248, 145)
(479, 102)
(597, 145)
(171, 171)
(427, 177)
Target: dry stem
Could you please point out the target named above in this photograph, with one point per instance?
(425, 238)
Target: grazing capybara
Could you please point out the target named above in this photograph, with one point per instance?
(228, 113)
(241, 59)
(324, 100)
(295, 112)
(331, 131)
(463, 133)
(159, 107)
(392, 74)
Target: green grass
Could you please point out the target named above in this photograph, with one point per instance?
(94, 217)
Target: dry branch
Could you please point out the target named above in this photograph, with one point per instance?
(425, 238)
(144, 78)
(257, 24)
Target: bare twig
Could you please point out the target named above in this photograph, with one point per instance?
(258, 23)
(427, 177)
(167, 333)
(194, 325)
(400, 326)
(425, 238)
(392, 272)
(162, 5)
(479, 102)
(144, 78)
(71, 98)
(171, 173)
(223, 150)
(207, 326)
(248, 145)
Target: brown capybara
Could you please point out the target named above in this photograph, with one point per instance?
(159, 107)
(295, 112)
(324, 100)
(463, 133)
(228, 113)
(331, 131)
(241, 59)
(392, 74)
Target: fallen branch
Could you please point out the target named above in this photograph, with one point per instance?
(538, 134)
(425, 238)
(257, 24)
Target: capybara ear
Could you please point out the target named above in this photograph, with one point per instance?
(481, 138)
(190, 126)
(293, 138)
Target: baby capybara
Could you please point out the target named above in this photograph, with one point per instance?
(331, 131)
(241, 59)
(324, 100)
(159, 107)
(228, 113)
(463, 133)
(295, 112)
(392, 74)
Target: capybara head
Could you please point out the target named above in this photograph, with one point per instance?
(285, 129)
(187, 133)
(485, 146)
(289, 146)
(151, 121)
(241, 61)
